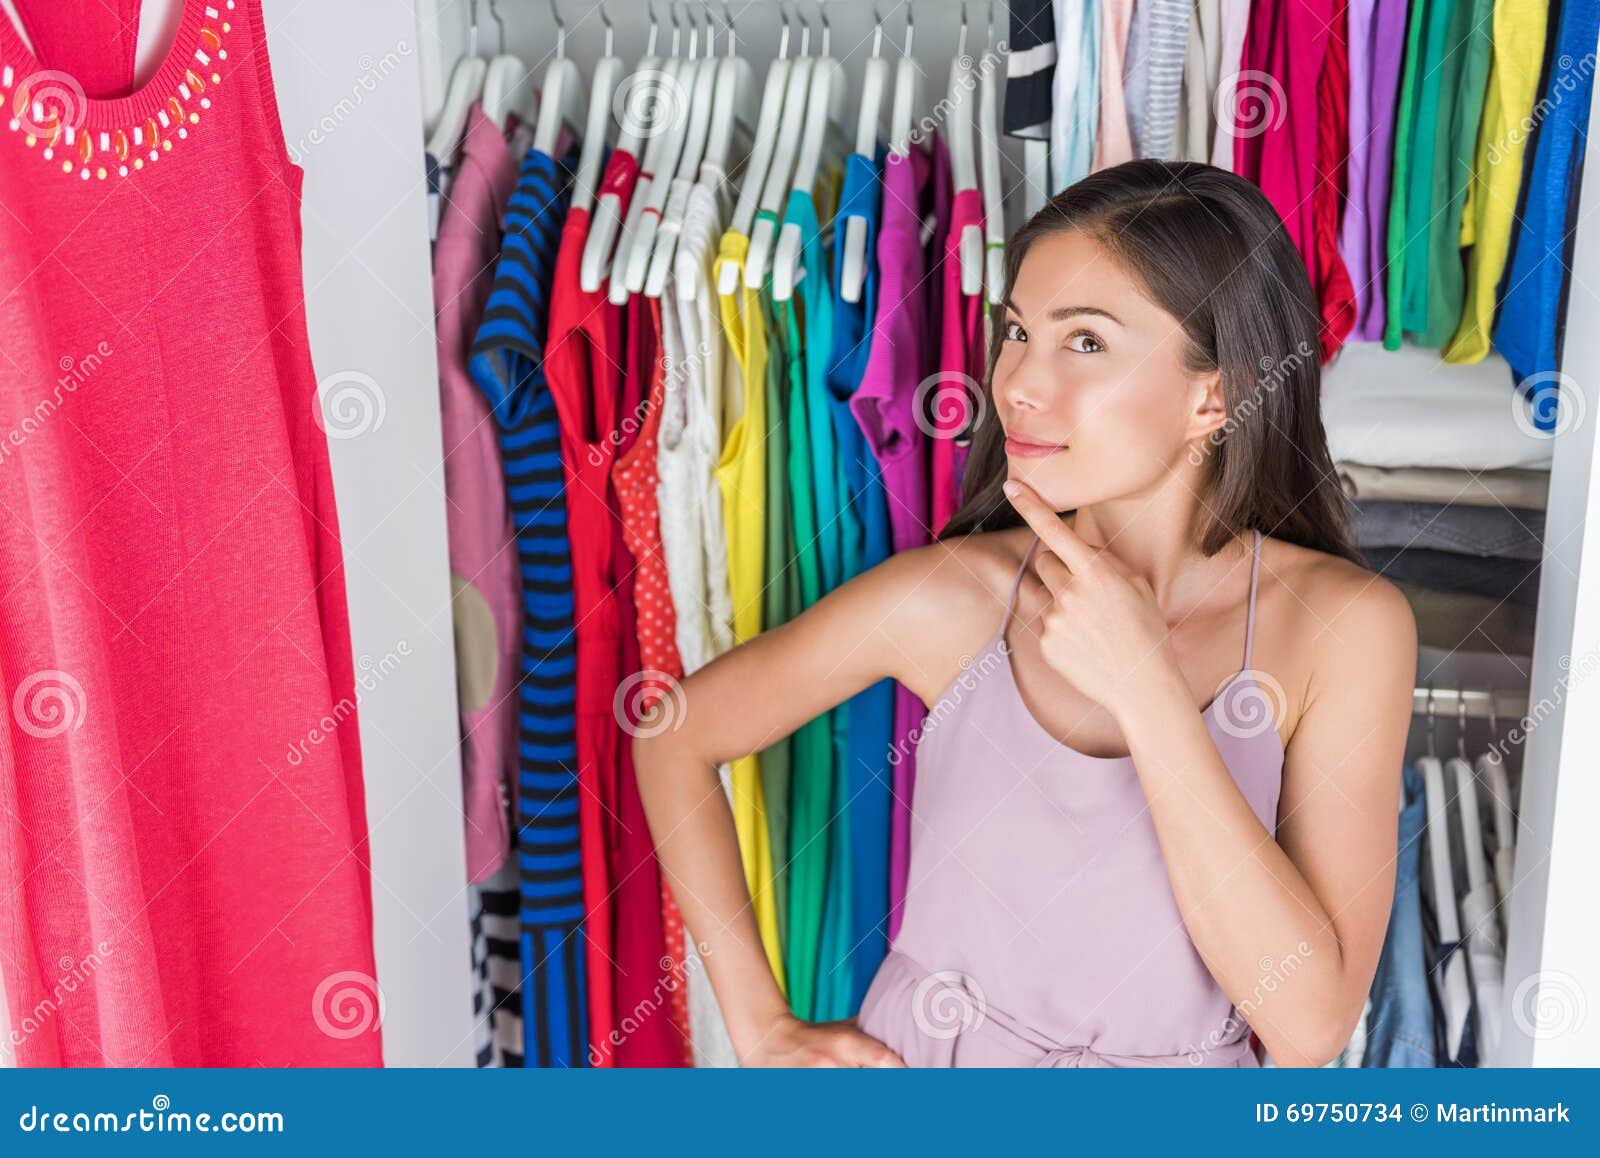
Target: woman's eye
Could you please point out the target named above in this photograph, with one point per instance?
(1015, 332)
(1095, 344)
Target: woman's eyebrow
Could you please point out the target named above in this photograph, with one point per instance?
(1062, 313)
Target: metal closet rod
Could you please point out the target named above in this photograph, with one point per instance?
(1478, 704)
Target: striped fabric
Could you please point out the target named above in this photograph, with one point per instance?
(1030, 69)
(1152, 75)
(497, 968)
(508, 366)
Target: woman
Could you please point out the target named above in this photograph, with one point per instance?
(1156, 791)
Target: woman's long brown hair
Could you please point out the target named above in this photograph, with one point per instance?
(1207, 247)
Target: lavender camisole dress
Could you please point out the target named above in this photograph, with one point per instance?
(1040, 927)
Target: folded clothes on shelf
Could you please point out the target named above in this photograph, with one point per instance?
(1469, 418)
(1516, 580)
(1498, 532)
(1457, 620)
(1490, 488)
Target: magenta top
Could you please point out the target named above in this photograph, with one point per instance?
(958, 389)
(1040, 927)
(486, 590)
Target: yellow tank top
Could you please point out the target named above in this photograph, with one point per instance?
(1486, 221)
(741, 477)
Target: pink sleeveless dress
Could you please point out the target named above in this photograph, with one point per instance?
(183, 830)
(1040, 926)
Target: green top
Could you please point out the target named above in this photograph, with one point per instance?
(1399, 185)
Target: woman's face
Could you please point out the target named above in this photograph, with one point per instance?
(1089, 385)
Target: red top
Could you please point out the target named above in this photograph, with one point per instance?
(183, 861)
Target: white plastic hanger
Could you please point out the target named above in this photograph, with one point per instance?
(958, 131)
(466, 86)
(561, 95)
(500, 82)
(609, 210)
(776, 188)
(824, 126)
(994, 217)
(733, 110)
(666, 168)
(665, 242)
(853, 265)
(907, 94)
(1457, 993)
(1491, 768)
(666, 91)
(607, 74)
(766, 143)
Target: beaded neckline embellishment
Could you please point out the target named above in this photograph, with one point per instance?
(97, 139)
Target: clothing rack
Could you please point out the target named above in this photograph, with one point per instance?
(1491, 704)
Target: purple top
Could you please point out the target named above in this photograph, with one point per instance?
(1052, 937)
(1386, 36)
(1353, 230)
(902, 356)
(486, 590)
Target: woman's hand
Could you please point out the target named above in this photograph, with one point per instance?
(827, 1044)
(1103, 629)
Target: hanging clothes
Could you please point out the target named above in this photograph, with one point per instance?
(693, 534)
(1289, 46)
(648, 919)
(864, 763)
(1378, 35)
(486, 590)
(509, 365)
(1076, 86)
(175, 639)
(1152, 75)
(1520, 30)
(1531, 327)
(1113, 139)
(1335, 295)
(742, 478)
(1232, 96)
(959, 391)
(1030, 70)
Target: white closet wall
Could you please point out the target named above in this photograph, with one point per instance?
(349, 97)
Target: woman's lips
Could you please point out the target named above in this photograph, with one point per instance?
(1024, 449)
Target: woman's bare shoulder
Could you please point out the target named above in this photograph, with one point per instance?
(1340, 616)
(950, 596)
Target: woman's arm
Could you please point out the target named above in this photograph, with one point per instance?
(1291, 927)
(873, 627)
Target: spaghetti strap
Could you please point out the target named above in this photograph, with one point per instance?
(1016, 586)
(1250, 618)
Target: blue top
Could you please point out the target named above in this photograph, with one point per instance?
(507, 364)
(865, 771)
(1531, 325)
